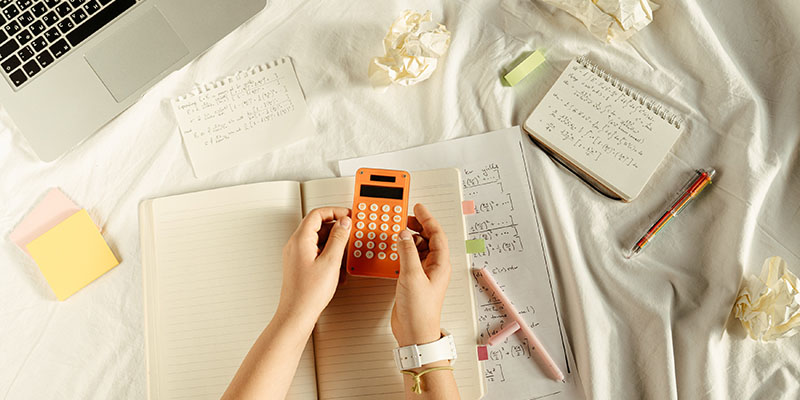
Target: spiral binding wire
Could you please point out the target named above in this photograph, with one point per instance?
(652, 105)
(205, 87)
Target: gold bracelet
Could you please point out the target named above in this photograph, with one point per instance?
(417, 388)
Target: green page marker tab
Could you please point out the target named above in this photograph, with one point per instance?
(524, 68)
(475, 246)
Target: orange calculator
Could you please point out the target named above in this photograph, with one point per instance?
(380, 213)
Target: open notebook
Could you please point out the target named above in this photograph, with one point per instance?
(212, 273)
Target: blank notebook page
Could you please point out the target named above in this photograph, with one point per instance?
(353, 339)
(214, 284)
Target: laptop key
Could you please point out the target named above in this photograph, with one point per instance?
(79, 16)
(99, 20)
(51, 3)
(63, 9)
(76, 3)
(11, 12)
(36, 28)
(39, 9)
(25, 18)
(3, 36)
(23, 4)
(8, 48)
(91, 7)
(44, 58)
(18, 77)
(50, 18)
(10, 64)
(65, 25)
(12, 28)
(59, 48)
(4, 3)
(25, 54)
(39, 44)
(52, 35)
(24, 37)
(31, 68)
(104, 2)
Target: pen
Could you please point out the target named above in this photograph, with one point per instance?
(541, 354)
(692, 188)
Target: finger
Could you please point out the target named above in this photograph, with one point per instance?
(410, 265)
(413, 224)
(437, 260)
(316, 217)
(337, 241)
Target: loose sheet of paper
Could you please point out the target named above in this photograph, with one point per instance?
(606, 130)
(494, 176)
(242, 117)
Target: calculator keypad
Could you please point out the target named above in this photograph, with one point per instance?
(374, 240)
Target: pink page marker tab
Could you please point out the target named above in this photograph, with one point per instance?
(54, 208)
(468, 207)
(483, 353)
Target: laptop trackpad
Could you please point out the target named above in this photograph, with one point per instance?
(136, 53)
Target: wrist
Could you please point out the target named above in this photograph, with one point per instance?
(420, 337)
(299, 317)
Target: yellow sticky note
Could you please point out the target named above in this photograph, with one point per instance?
(72, 254)
(524, 68)
(475, 246)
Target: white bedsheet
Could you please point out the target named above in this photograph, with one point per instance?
(656, 327)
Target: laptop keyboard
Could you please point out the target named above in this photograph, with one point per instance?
(35, 33)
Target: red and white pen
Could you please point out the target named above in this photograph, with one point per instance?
(545, 361)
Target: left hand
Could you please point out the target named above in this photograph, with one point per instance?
(311, 262)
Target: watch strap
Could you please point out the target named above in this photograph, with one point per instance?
(417, 355)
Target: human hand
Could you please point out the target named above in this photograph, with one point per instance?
(424, 275)
(311, 262)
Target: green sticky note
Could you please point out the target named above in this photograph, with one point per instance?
(476, 246)
(524, 68)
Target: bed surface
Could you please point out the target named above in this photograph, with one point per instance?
(657, 327)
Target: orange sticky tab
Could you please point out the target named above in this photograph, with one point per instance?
(468, 207)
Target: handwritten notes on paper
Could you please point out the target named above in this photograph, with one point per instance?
(494, 176)
(604, 128)
(242, 117)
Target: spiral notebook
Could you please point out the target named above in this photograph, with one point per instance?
(242, 117)
(603, 130)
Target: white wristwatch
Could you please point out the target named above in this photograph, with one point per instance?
(417, 355)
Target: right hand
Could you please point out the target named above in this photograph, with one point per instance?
(424, 275)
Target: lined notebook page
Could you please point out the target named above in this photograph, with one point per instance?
(212, 273)
(604, 128)
(353, 339)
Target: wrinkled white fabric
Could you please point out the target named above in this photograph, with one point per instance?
(659, 326)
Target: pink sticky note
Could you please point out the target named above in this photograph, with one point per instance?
(468, 207)
(483, 353)
(54, 208)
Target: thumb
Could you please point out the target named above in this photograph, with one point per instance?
(410, 264)
(337, 241)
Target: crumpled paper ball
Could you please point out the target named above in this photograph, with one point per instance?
(413, 47)
(610, 19)
(769, 305)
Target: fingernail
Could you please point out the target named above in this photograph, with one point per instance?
(345, 222)
(405, 235)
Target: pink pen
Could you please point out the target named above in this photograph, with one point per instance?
(545, 361)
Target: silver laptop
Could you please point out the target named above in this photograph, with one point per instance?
(70, 66)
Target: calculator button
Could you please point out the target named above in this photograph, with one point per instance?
(371, 235)
(385, 217)
(381, 256)
(373, 217)
(360, 224)
(373, 207)
(386, 208)
(362, 206)
(384, 236)
(393, 256)
(394, 247)
(398, 209)
(372, 226)
(394, 237)
(361, 215)
(369, 254)
(381, 246)
(359, 234)
(357, 253)
(397, 219)
(396, 228)
(370, 245)
(384, 227)
(358, 244)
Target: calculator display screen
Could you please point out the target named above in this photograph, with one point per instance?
(382, 192)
